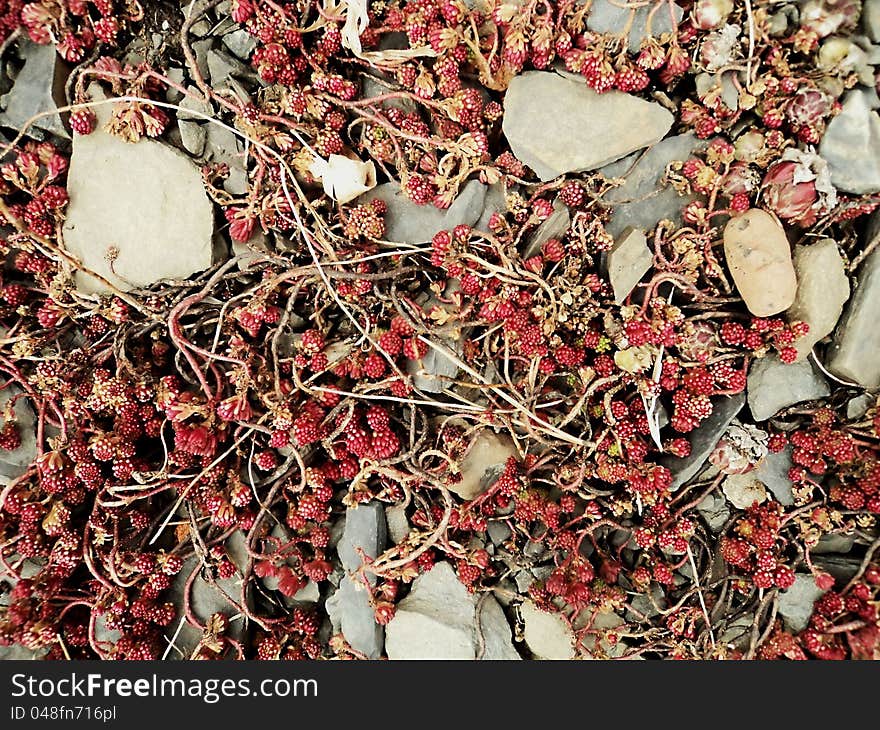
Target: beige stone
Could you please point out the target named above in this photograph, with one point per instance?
(823, 288)
(484, 460)
(759, 258)
(138, 212)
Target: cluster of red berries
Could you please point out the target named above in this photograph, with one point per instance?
(756, 548)
(72, 26)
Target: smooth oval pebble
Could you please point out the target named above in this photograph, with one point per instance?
(759, 258)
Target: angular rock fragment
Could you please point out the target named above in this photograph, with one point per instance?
(611, 17)
(822, 290)
(853, 354)
(138, 212)
(546, 635)
(774, 385)
(407, 222)
(38, 88)
(628, 261)
(437, 620)
(484, 460)
(772, 472)
(350, 610)
(206, 598)
(351, 613)
(796, 603)
(759, 259)
(643, 200)
(555, 226)
(714, 510)
(556, 125)
(365, 530)
(851, 147)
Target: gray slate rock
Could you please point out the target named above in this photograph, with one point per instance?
(796, 603)
(857, 407)
(606, 17)
(438, 620)
(221, 145)
(398, 524)
(773, 385)
(643, 200)
(773, 474)
(703, 439)
(193, 109)
(350, 612)
(851, 146)
(714, 510)
(555, 226)
(193, 136)
(628, 261)
(546, 634)
(365, 529)
(15, 463)
(39, 87)
(834, 543)
(407, 222)
(823, 288)
(349, 607)
(138, 212)
(206, 600)
(853, 354)
(240, 43)
(495, 630)
(556, 125)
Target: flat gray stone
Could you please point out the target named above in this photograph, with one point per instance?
(851, 147)
(351, 613)
(834, 544)
(628, 261)
(221, 145)
(435, 621)
(796, 603)
(606, 17)
(240, 43)
(546, 635)
(772, 471)
(853, 354)
(773, 385)
(704, 439)
(823, 288)
(407, 222)
(138, 212)
(398, 524)
(365, 529)
(496, 633)
(857, 407)
(193, 109)
(38, 88)
(15, 463)
(556, 226)
(193, 136)
(556, 125)
(714, 510)
(644, 200)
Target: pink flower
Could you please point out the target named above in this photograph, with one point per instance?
(790, 200)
